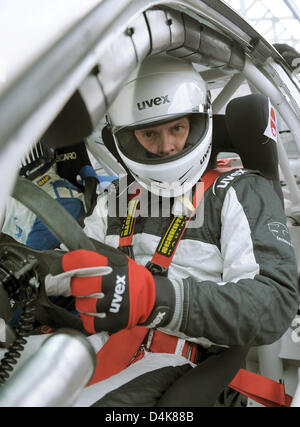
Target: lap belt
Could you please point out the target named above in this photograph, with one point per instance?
(263, 390)
(159, 342)
(128, 346)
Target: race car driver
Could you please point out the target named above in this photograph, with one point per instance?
(184, 281)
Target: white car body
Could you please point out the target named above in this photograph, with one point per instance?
(50, 48)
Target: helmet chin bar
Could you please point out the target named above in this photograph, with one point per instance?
(162, 188)
(166, 189)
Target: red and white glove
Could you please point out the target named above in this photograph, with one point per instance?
(112, 296)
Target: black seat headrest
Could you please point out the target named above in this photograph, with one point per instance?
(247, 119)
(248, 128)
(70, 160)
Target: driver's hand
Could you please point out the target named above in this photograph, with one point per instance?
(110, 296)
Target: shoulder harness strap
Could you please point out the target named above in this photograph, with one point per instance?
(168, 243)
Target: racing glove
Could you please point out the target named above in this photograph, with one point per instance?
(113, 296)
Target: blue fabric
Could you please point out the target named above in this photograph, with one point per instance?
(41, 238)
(104, 178)
(87, 171)
(105, 181)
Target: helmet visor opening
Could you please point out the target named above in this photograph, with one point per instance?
(130, 147)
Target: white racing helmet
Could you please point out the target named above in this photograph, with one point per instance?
(161, 90)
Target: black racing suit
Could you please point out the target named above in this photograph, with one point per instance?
(235, 274)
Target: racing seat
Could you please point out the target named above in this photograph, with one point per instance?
(242, 131)
(73, 161)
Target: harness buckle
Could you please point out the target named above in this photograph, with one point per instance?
(156, 269)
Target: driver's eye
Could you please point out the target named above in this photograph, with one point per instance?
(179, 128)
(148, 134)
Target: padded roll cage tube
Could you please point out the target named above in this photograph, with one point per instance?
(110, 43)
(153, 32)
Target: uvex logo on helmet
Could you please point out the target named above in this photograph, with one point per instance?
(149, 103)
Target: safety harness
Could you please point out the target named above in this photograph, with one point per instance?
(127, 346)
(168, 243)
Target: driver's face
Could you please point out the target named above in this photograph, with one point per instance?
(166, 139)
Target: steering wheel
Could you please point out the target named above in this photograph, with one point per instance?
(68, 231)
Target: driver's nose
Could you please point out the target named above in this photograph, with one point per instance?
(166, 144)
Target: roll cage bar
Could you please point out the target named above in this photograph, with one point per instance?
(96, 54)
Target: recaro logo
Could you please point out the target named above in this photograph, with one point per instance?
(149, 103)
(119, 291)
(67, 156)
